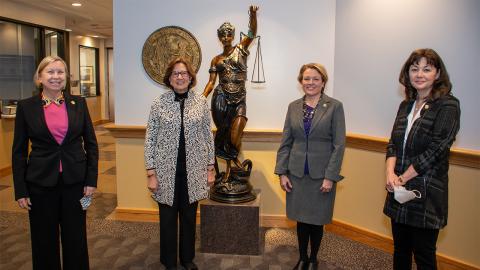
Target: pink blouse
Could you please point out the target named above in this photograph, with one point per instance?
(57, 122)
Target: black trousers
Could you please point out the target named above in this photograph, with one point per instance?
(181, 211)
(420, 242)
(55, 212)
(169, 217)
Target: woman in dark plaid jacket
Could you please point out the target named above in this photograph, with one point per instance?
(417, 158)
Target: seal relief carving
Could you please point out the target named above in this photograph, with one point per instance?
(166, 44)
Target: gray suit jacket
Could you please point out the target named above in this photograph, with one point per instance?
(325, 146)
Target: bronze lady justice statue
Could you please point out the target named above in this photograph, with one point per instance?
(229, 111)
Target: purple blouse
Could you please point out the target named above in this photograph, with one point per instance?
(307, 124)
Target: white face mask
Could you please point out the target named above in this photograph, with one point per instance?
(403, 195)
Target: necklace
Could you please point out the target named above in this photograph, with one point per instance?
(309, 112)
(418, 106)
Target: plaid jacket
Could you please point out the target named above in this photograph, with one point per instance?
(427, 148)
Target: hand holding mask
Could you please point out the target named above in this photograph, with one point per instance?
(85, 201)
(403, 195)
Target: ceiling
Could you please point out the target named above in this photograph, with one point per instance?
(93, 18)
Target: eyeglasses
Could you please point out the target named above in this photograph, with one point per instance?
(182, 74)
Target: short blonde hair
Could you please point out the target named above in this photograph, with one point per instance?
(318, 67)
(44, 63)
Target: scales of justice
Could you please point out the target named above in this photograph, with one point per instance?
(229, 110)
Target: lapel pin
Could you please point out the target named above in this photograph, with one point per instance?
(426, 107)
(72, 102)
(324, 105)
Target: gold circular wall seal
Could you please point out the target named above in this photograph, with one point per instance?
(166, 44)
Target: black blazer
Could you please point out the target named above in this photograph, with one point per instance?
(78, 151)
(427, 149)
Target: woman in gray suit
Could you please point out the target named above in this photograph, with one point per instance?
(309, 160)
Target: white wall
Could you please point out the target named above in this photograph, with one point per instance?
(375, 37)
(367, 40)
(293, 33)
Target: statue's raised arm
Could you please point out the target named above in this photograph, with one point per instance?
(226, 35)
(252, 27)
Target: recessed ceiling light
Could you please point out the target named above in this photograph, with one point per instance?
(95, 36)
(77, 4)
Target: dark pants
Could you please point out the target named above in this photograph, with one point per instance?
(182, 211)
(408, 240)
(55, 212)
(309, 233)
(186, 214)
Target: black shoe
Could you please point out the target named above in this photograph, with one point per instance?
(301, 265)
(313, 265)
(189, 266)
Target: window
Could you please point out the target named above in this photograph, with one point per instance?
(89, 75)
(22, 47)
(18, 59)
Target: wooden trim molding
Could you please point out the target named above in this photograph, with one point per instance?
(365, 142)
(349, 231)
(5, 171)
(100, 122)
(458, 156)
(465, 157)
(125, 131)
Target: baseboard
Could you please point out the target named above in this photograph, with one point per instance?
(5, 171)
(361, 235)
(276, 221)
(385, 243)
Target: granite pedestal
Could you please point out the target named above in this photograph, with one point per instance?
(230, 228)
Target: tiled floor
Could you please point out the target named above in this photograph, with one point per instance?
(115, 244)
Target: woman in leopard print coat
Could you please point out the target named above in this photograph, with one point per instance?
(179, 157)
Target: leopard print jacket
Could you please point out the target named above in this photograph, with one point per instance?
(162, 139)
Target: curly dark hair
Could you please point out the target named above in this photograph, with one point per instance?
(169, 70)
(441, 86)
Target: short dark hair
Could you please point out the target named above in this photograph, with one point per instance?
(169, 70)
(318, 67)
(441, 86)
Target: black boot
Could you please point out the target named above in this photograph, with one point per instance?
(301, 265)
(189, 266)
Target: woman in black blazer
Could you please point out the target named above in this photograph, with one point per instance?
(61, 168)
(417, 160)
